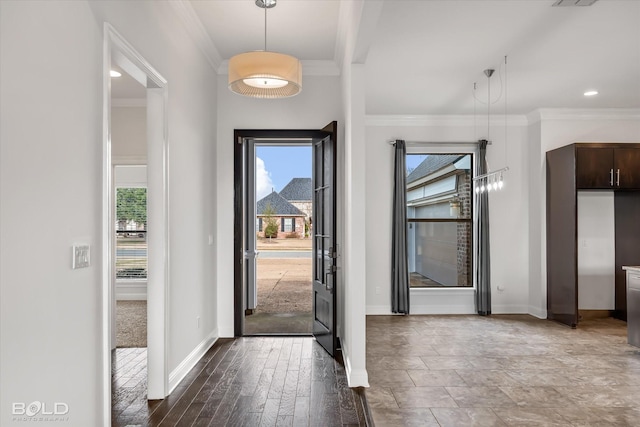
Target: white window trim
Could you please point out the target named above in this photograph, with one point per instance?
(454, 148)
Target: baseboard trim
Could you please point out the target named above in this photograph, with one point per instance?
(226, 333)
(355, 377)
(381, 310)
(510, 309)
(190, 361)
(443, 309)
(538, 312)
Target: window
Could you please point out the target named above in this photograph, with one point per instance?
(131, 233)
(287, 224)
(439, 219)
(258, 224)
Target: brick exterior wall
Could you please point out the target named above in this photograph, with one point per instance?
(465, 195)
(298, 227)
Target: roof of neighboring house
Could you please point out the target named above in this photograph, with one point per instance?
(298, 189)
(279, 204)
(431, 164)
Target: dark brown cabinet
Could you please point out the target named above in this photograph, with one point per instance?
(599, 168)
(589, 166)
(626, 164)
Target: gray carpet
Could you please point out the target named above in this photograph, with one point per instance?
(131, 324)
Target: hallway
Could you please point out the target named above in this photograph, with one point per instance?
(242, 382)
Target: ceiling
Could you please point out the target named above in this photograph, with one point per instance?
(424, 56)
(125, 86)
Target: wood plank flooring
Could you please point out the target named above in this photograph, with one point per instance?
(257, 381)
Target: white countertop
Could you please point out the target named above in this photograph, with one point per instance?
(635, 268)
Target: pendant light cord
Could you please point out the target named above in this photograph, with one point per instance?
(488, 107)
(505, 110)
(265, 29)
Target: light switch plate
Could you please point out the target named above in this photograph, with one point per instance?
(81, 256)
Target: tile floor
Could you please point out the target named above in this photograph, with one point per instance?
(502, 370)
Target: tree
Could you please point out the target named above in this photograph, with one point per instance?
(131, 205)
(271, 225)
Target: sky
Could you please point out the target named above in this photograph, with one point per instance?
(277, 165)
(413, 160)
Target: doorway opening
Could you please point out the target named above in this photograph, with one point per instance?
(300, 221)
(135, 151)
(279, 296)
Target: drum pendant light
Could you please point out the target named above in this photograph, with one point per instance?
(264, 74)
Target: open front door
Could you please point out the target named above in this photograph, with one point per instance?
(324, 241)
(251, 252)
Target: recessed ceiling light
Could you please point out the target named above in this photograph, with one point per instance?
(591, 93)
(114, 73)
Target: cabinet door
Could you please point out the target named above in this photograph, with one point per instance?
(594, 168)
(627, 226)
(626, 163)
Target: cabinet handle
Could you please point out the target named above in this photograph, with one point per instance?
(611, 179)
(618, 178)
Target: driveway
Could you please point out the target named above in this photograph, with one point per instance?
(284, 285)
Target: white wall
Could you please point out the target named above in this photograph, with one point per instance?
(537, 299)
(554, 129)
(354, 217)
(317, 105)
(596, 250)
(50, 183)
(130, 176)
(129, 133)
(508, 213)
(51, 133)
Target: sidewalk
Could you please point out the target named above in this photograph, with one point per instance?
(284, 244)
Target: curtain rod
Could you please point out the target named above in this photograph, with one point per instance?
(393, 142)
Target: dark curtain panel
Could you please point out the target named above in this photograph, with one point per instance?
(399, 266)
(483, 270)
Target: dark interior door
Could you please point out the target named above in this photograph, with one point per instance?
(562, 271)
(324, 241)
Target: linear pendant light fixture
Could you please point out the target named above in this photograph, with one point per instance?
(264, 74)
(493, 180)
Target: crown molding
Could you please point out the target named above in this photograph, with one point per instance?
(128, 102)
(442, 120)
(309, 68)
(544, 114)
(196, 30)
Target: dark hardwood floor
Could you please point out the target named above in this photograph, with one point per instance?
(257, 381)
